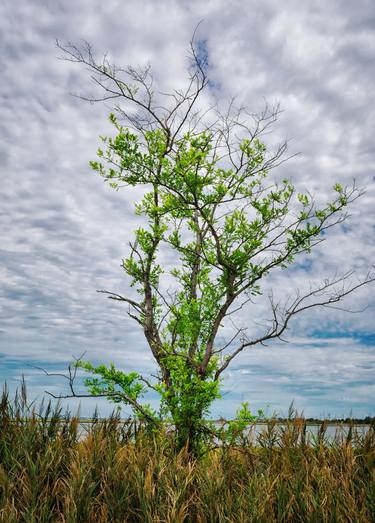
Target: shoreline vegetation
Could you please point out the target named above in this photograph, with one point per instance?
(119, 472)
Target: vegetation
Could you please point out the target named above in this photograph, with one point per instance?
(367, 420)
(209, 204)
(116, 472)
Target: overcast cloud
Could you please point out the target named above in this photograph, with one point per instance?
(63, 232)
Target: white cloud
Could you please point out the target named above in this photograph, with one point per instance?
(64, 232)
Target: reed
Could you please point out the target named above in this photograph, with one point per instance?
(118, 473)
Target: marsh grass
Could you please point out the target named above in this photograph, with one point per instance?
(118, 473)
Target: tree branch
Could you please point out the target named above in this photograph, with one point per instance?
(281, 324)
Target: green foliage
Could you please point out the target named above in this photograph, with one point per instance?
(118, 387)
(221, 223)
(112, 382)
(234, 433)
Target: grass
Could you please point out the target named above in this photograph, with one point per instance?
(117, 473)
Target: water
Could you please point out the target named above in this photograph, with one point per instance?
(332, 431)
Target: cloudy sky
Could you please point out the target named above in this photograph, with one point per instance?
(64, 232)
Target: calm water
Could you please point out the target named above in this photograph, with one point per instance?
(332, 430)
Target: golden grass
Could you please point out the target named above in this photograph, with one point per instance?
(49, 474)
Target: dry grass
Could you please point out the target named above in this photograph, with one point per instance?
(49, 474)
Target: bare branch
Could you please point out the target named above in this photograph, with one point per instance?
(118, 395)
(118, 297)
(299, 305)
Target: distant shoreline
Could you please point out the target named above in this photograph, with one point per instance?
(278, 421)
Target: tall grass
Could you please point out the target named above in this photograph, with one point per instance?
(48, 473)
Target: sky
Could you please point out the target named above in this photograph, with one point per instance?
(64, 232)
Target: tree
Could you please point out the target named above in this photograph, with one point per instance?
(208, 199)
